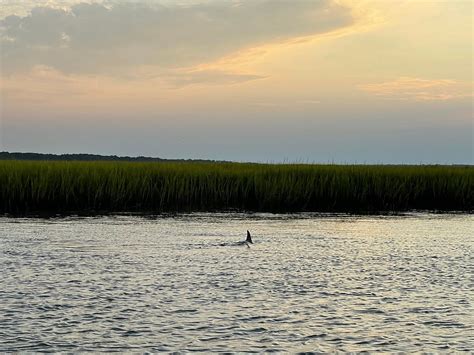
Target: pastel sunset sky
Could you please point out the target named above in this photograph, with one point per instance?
(362, 81)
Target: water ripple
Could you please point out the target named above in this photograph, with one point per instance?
(309, 284)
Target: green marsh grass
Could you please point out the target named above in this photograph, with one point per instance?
(28, 187)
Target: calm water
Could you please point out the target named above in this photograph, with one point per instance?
(309, 283)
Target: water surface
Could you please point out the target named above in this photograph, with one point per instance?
(309, 283)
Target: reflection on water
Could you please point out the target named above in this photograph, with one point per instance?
(309, 283)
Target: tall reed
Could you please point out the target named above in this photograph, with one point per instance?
(89, 187)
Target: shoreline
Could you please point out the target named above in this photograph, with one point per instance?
(249, 214)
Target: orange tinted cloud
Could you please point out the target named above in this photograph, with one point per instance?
(417, 89)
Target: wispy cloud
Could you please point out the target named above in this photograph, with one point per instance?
(180, 78)
(286, 104)
(43, 85)
(417, 89)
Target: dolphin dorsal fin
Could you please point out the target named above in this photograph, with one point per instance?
(249, 238)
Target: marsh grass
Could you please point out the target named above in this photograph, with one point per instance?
(89, 187)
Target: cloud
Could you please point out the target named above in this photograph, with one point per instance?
(289, 104)
(407, 88)
(114, 37)
(182, 78)
(43, 85)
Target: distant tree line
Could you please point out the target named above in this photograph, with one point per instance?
(89, 157)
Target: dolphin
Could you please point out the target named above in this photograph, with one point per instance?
(249, 238)
(246, 242)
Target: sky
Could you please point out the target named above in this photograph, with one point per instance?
(323, 81)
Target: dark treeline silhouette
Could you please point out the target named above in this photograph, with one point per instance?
(90, 157)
